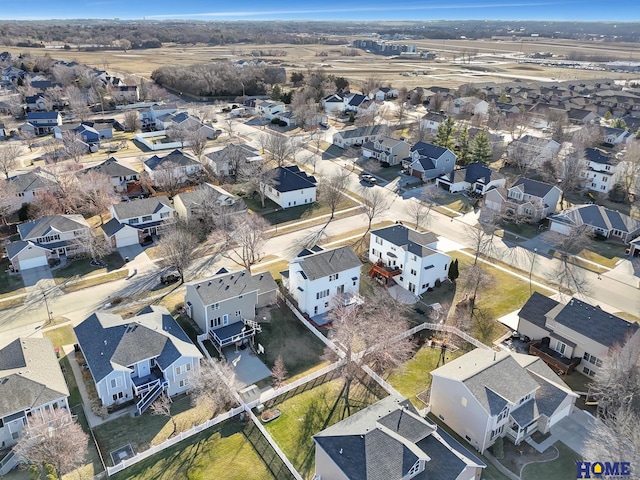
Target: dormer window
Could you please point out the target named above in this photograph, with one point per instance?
(415, 469)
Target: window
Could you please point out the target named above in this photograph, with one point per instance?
(603, 187)
(117, 396)
(147, 218)
(605, 179)
(238, 313)
(215, 306)
(164, 215)
(373, 251)
(378, 240)
(560, 347)
(326, 304)
(413, 272)
(333, 277)
(184, 382)
(133, 221)
(322, 294)
(588, 371)
(463, 401)
(592, 359)
(503, 414)
(180, 369)
(445, 267)
(116, 382)
(413, 258)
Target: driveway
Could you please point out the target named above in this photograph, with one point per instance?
(39, 277)
(138, 258)
(574, 430)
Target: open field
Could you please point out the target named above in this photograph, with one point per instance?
(495, 57)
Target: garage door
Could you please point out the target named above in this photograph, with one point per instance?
(559, 415)
(126, 237)
(33, 262)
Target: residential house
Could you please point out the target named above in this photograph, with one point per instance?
(225, 306)
(354, 102)
(390, 440)
(573, 335)
(470, 106)
(131, 222)
(267, 109)
(28, 185)
(206, 199)
(600, 170)
(32, 385)
(41, 123)
(581, 116)
(226, 162)
(36, 102)
(409, 257)
(484, 395)
(383, 93)
(317, 277)
(431, 121)
(11, 74)
(476, 178)
(333, 103)
(632, 123)
(600, 220)
(525, 198)
(357, 136)
(188, 123)
(48, 237)
(120, 174)
(532, 151)
(290, 187)
(614, 136)
(150, 115)
(387, 149)
(137, 358)
(123, 94)
(427, 161)
(175, 165)
(86, 130)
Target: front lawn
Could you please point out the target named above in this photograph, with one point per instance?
(82, 267)
(413, 377)
(10, 284)
(301, 350)
(310, 412)
(219, 452)
(92, 282)
(61, 336)
(562, 467)
(303, 212)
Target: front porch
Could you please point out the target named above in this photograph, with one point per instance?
(552, 358)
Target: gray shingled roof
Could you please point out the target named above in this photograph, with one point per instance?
(36, 179)
(173, 159)
(55, 223)
(408, 239)
(597, 216)
(13, 248)
(30, 375)
(533, 187)
(366, 131)
(428, 150)
(229, 285)
(594, 323)
(444, 463)
(289, 179)
(138, 208)
(108, 341)
(526, 413)
(328, 262)
(113, 168)
(536, 308)
(548, 396)
(596, 155)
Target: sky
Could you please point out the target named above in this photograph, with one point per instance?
(351, 10)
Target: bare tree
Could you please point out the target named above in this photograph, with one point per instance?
(419, 211)
(570, 174)
(95, 244)
(54, 438)
(401, 110)
(279, 372)
(332, 188)
(568, 275)
(8, 196)
(9, 157)
(259, 176)
(246, 240)
(178, 132)
(370, 84)
(279, 147)
(211, 387)
(44, 204)
(96, 193)
(517, 124)
(474, 279)
(374, 204)
(131, 121)
(77, 102)
(481, 237)
(197, 142)
(74, 145)
(177, 247)
(162, 407)
(629, 168)
(166, 180)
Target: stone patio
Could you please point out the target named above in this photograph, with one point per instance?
(248, 367)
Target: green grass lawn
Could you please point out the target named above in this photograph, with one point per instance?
(286, 336)
(413, 377)
(10, 284)
(146, 430)
(61, 336)
(219, 452)
(74, 392)
(303, 212)
(82, 268)
(562, 467)
(92, 282)
(310, 412)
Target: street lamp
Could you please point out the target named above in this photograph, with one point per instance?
(533, 261)
(46, 304)
(276, 219)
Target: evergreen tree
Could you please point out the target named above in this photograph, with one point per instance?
(453, 270)
(276, 92)
(481, 150)
(445, 134)
(462, 137)
(618, 123)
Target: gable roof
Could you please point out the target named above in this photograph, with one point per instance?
(536, 309)
(428, 150)
(176, 158)
(385, 440)
(247, 152)
(14, 248)
(594, 323)
(597, 216)
(328, 262)
(408, 239)
(113, 168)
(357, 99)
(30, 375)
(533, 187)
(474, 172)
(110, 342)
(289, 179)
(43, 226)
(203, 194)
(366, 131)
(434, 117)
(578, 113)
(227, 285)
(53, 115)
(37, 179)
(138, 208)
(596, 155)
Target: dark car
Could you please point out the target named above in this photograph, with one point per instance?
(171, 277)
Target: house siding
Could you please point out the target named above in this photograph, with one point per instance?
(173, 379)
(326, 469)
(106, 392)
(294, 198)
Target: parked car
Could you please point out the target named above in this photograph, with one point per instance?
(370, 179)
(148, 240)
(170, 277)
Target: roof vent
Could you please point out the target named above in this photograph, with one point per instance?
(105, 342)
(227, 287)
(197, 287)
(209, 284)
(340, 451)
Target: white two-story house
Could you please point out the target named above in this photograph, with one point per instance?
(525, 198)
(357, 136)
(484, 395)
(268, 109)
(176, 165)
(387, 149)
(317, 278)
(572, 336)
(408, 257)
(600, 170)
(291, 187)
(431, 121)
(46, 238)
(225, 306)
(427, 161)
(28, 185)
(134, 220)
(31, 385)
(137, 358)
